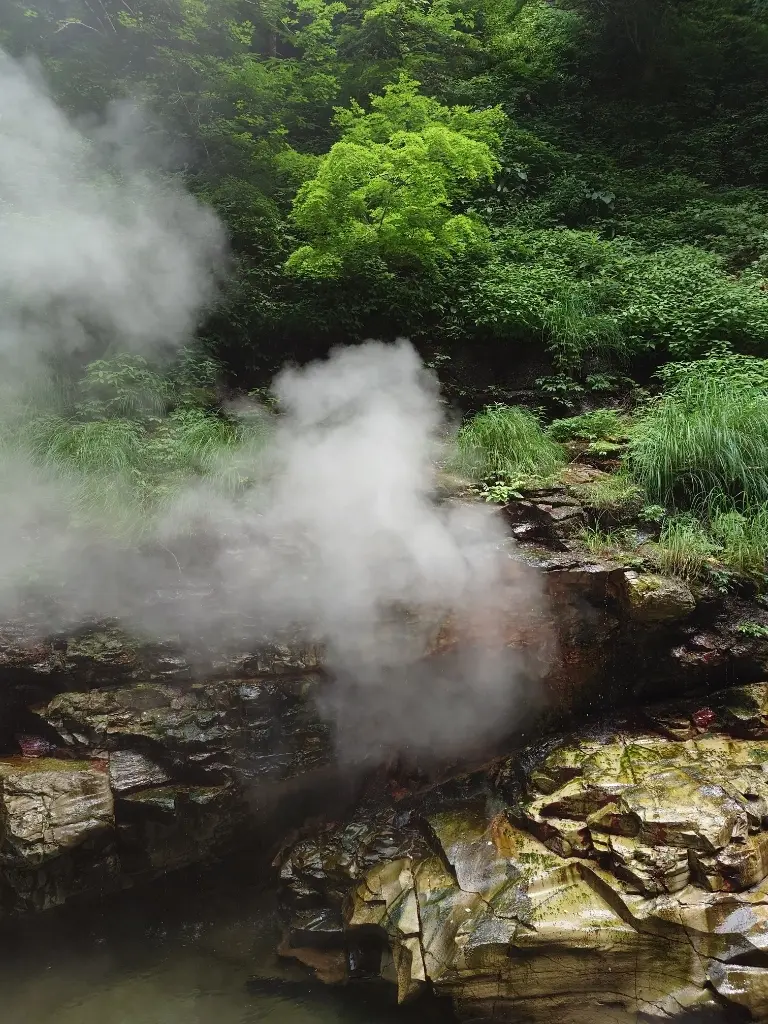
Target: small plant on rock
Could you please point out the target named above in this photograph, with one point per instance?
(753, 629)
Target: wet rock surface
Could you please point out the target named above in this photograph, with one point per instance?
(616, 872)
(654, 598)
(199, 743)
(57, 831)
(122, 764)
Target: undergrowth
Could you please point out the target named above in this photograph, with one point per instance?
(128, 440)
(704, 442)
(598, 425)
(506, 443)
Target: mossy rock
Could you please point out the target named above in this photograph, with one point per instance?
(651, 598)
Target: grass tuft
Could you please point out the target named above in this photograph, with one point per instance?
(508, 443)
(684, 548)
(704, 442)
(602, 542)
(743, 539)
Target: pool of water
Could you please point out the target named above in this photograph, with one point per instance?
(193, 950)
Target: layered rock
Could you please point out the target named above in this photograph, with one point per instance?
(595, 877)
(197, 736)
(57, 831)
(134, 768)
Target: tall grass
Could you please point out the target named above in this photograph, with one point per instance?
(684, 548)
(575, 328)
(506, 442)
(95, 446)
(702, 450)
(743, 539)
(704, 444)
(119, 473)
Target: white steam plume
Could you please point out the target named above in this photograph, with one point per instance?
(341, 539)
(346, 540)
(89, 256)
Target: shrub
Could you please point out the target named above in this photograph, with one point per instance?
(124, 385)
(388, 187)
(704, 444)
(600, 424)
(506, 442)
(581, 293)
(681, 298)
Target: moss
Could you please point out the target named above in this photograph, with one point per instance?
(37, 765)
(106, 644)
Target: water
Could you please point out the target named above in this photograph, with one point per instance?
(192, 950)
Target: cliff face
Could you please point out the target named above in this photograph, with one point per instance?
(122, 764)
(619, 871)
(123, 758)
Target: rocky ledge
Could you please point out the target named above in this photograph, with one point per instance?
(596, 877)
(118, 765)
(122, 758)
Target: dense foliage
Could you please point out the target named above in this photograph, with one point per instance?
(555, 190)
(556, 199)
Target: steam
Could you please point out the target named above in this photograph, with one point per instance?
(89, 255)
(341, 538)
(345, 538)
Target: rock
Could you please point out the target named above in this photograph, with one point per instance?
(599, 877)
(57, 830)
(246, 729)
(149, 778)
(549, 516)
(128, 769)
(652, 598)
(194, 729)
(585, 616)
(165, 828)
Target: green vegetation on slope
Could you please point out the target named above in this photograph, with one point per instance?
(127, 438)
(572, 184)
(563, 202)
(508, 444)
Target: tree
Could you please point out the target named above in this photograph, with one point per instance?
(388, 189)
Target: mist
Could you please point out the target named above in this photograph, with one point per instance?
(419, 604)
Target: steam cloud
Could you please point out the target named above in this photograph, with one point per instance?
(89, 256)
(342, 538)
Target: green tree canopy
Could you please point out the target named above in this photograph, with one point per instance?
(388, 189)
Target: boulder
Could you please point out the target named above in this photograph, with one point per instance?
(164, 828)
(549, 516)
(652, 598)
(596, 877)
(57, 831)
(242, 729)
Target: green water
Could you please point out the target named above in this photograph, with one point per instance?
(185, 952)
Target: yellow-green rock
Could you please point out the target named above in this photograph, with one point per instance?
(628, 877)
